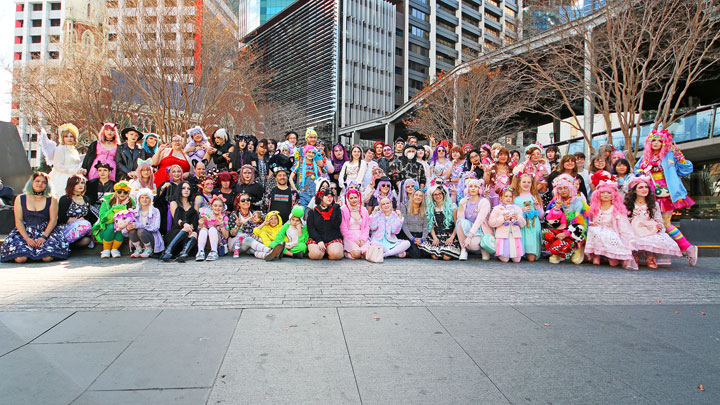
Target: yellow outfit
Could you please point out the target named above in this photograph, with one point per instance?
(267, 233)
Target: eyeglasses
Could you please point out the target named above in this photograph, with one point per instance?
(122, 192)
(244, 200)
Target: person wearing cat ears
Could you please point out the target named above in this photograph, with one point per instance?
(508, 219)
(663, 160)
(609, 235)
(647, 223)
(102, 150)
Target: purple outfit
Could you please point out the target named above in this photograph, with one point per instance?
(384, 232)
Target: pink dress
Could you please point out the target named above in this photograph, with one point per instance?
(354, 229)
(610, 236)
(105, 156)
(647, 236)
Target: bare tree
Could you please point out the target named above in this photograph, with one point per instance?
(185, 78)
(475, 105)
(628, 50)
(278, 118)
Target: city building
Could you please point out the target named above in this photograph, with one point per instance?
(253, 13)
(348, 61)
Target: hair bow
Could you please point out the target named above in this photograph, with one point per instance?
(144, 162)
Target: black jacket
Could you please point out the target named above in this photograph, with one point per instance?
(64, 205)
(126, 160)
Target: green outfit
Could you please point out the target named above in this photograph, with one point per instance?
(104, 228)
(301, 246)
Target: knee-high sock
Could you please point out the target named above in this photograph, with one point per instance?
(116, 244)
(400, 247)
(678, 237)
(260, 255)
(213, 236)
(202, 239)
(107, 245)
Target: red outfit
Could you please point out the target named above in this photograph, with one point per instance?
(162, 174)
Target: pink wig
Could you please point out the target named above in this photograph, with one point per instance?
(143, 164)
(664, 136)
(617, 199)
(112, 126)
(352, 191)
(252, 177)
(564, 180)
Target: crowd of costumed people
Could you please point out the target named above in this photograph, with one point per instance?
(201, 198)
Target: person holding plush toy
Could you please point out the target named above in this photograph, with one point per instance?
(144, 232)
(293, 235)
(566, 222)
(105, 229)
(508, 219)
(213, 226)
(528, 199)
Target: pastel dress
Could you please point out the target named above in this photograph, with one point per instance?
(501, 181)
(508, 234)
(65, 161)
(532, 231)
(35, 223)
(437, 170)
(456, 173)
(611, 236)
(470, 225)
(647, 236)
(384, 230)
(355, 226)
(105, 156)
(442, 232)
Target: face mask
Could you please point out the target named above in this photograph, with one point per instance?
(410, 155)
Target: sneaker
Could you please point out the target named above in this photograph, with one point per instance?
(212, 256)
(146, 253)
(485, 254)
(275, 252)
(692, 255)
(105, 254)
(136, 253)
(463, 255)
(92, 243)
(578, 255)
(236, 253)
(554, 259)
(115, 253)
(200, 256)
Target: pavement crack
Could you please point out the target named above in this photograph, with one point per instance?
(469, 355)
(222, 361)
(38, 336)
(347, 348)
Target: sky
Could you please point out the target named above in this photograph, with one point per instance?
(7, 28)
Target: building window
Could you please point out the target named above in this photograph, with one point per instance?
(398, 90)
(495, 3)
(19, 7)
(398, 52)
(87, 38)
(35, 39)
(111, 3)
(444, 41)
(398, 70)
(419, 14)
(490, 46)
(112, 21)
(469, 35)
(445, 8)
(418, 67)
(54, 55)
(445, 24)
(170, 3)
(510, 26)
(492, 31)
(37, 7)
(54, 39)
(419, 32)
(416, 84)
(54, 22)
(445, 59)
(55, 6)
(19, 23)
(18, 55)
(398, 32)
(37, 23)
(492, 16)
(34, 55)
(419, 49)
(18, 39)
(169, 19)
(509, 12)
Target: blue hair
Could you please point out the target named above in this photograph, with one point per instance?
(447, 207)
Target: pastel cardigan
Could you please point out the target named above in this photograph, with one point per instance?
(673, 167)
(497, 221)
(364, 224)
(385, 228)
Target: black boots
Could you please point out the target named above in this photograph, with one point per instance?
(167, 255)
(188, 246)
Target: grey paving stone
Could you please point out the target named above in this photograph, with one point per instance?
(29, 325)
(654, 367)
(286, 356)
(28, 377)
(180, 349)
(104, 326)
(527, 363)
(9, 340)
(403, 355)
(189, 396)
(82, 362)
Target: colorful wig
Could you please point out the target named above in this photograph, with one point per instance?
(101, 136)
(663, 136)
(434, 157)
(403, 198)
(142, 165)
(564, 180)
(447, 207)
(617, 199)
(338, 163)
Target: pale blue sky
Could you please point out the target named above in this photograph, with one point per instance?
(7, 26)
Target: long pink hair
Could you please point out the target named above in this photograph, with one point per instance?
(151, 181)
(617, 199)
(665, 137)
(101, 136)
(564, 180)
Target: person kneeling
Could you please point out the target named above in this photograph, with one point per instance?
(385, 224)
(293, 236)
(323, 226)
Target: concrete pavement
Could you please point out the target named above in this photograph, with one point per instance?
(246, 331)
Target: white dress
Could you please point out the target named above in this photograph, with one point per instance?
(65, 161)
(610, 236)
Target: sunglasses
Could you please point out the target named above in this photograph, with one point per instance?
(244, 200)
(385, 185)
(122, 192)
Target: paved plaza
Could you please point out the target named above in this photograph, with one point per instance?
(128, 331)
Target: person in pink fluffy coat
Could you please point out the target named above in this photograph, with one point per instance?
(508, 219)
(385, 224)
(610, 235)
(355, 226)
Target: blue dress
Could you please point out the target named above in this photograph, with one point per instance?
(35, 223)
(531, 232)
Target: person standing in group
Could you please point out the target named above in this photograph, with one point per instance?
(63, 157)
(352, 169)
(168, 156)
(304, 174)
(102, 150)
(220, 151)
(128, 153)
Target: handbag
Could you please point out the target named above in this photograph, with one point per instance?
(488, 243)
(375, 253)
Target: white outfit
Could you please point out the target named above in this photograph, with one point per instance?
(65, 161)
(352, 172)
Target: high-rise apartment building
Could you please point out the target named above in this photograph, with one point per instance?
(348, 61)
(253, 13)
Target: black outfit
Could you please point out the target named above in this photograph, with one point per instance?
(282, 201)
(220, 162)
(262, 170)
(126, 160)
(256, 192)
(162, 203)
(66, 205)
(176, 238)
(479, 172)
(95, 191)
(239, 158)
(403, 168)
(385, 163)
(90, 156)
(194, 184)
(321, 230)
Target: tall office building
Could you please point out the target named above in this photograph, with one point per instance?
(253, 13)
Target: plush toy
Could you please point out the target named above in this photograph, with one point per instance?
(532, 214)
(122, 219)
(555, 218)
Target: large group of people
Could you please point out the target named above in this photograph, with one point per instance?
(208, 197)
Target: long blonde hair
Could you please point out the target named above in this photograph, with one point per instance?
(421, 208)
(533, 186)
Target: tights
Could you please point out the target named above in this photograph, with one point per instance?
(246, 244)
(140, 236)
(206, 234)
(400, 246)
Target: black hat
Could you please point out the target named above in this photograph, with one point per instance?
(400, 140)
(410, 146)
(100, 164)
(383, 178)
(128, 129)
(279, 162)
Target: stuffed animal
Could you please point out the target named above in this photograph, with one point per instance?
(555, 218)
(122, 219)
